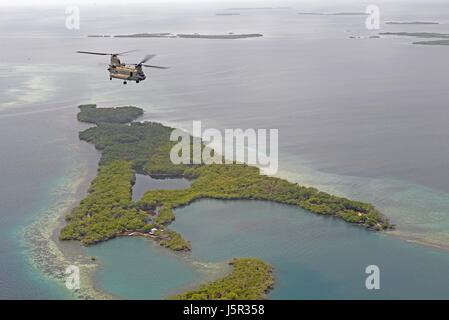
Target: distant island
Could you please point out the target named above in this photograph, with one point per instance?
(258, 8)
(417, 34)
(220, 36)
(227, 14)
(99, 36)
(183, 35)
(129, 148)
(147, 35)
(433, 42)
(411, 22)
(443, 37)
(333, 13)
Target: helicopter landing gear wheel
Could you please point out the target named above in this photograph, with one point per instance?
(137, 81)
(124, 82)
(110, 78)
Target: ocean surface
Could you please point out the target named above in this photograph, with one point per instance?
(363, 118)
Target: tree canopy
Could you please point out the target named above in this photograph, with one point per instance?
(145, 147)
(91, 114)
(250, 279)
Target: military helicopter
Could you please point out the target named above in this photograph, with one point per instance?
(126, 72)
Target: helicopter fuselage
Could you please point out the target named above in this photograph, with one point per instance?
(126, 72)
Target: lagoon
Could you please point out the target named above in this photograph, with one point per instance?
(146, 183)
(137, 268)
(314, 257)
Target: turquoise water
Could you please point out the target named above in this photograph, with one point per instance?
(314, 257)
(137, 268)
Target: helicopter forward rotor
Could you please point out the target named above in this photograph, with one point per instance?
(106, 54)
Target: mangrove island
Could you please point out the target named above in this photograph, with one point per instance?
(129, 148)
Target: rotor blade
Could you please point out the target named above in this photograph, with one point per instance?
(150, 66)
(147, 57)
(121, 53)
(106, 54)
(97, 53)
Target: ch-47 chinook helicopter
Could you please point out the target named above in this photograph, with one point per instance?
(126, 72)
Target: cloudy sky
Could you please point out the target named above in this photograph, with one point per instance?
(66, 2)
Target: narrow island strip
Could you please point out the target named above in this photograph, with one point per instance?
(426, 35)
(250, 279)
(411, 22)
(442, 38)
(128, 148)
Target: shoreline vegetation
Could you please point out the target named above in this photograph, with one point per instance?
(250, 279)
(144, 148)
(229, 35)
(130, 148)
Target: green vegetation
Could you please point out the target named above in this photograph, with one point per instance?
(250, 280)
(239, 181)
(91, 114)
(108, 210)
(172, 240)
(137, 142)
